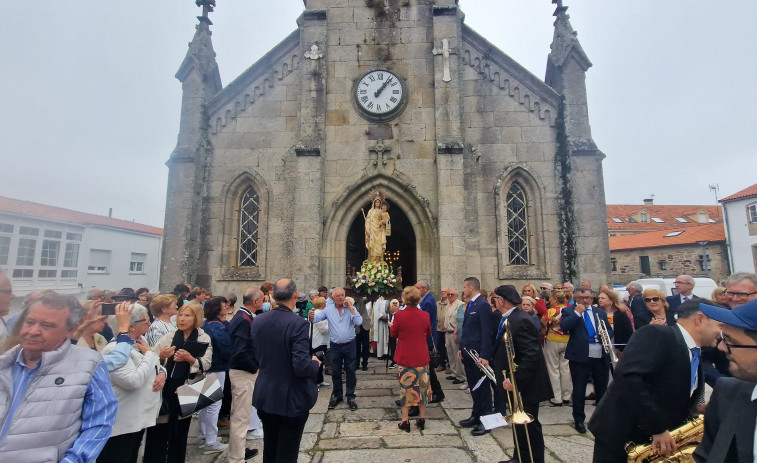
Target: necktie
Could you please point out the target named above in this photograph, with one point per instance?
(685, 298)
(590, 327)
(501, 329)
(694, 364)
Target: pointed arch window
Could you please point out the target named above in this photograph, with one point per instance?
(249, 210)
(517, 226)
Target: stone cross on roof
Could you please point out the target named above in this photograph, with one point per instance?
(207, 7)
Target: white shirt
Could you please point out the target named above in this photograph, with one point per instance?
(595, 348)
(690, 343)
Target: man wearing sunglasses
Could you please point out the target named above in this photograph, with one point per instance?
(729, 427)
(657, 386)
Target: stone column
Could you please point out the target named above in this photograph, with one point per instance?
(453, 200)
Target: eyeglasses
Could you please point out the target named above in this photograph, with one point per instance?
(143, 320)
(652, 299)
(737, 294)
(584, 297)
(734, 346)
(681, 283)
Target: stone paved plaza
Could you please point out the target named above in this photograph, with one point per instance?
(370, 434)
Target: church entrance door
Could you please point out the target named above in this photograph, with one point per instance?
(400, 245)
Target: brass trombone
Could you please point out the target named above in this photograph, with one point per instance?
(604, 336)
(517, 415)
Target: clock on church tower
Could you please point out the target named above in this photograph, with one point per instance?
(380, 95)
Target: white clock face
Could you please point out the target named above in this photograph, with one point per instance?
(379, 93)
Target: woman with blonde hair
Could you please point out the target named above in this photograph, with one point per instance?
(167, 441)
(555, 343)
(618, 316)
(412, 327)
(530, 291)
(657, 313)
(719, 296)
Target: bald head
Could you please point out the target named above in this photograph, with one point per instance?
(285, 292)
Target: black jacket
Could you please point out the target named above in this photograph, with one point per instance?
(729, 423)
(531, 374)
(242, 350)
(651, 389)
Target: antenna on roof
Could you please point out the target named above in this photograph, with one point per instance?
(715, 187)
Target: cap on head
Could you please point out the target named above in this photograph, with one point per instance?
(508, 292)
(743, 316)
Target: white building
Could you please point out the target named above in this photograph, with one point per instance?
(46, 247)
(741, 229)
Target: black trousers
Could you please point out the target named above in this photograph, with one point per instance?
(441, 346)
(281, 441)
(343, 356)
(608, 453)
(123, 448)
(436, 388)
(167, 442)
(362, 347)
(322, 348)
(594, 368)
(392, 348)
(532, 433)
(482, 397)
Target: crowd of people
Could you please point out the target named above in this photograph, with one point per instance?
(81, 385)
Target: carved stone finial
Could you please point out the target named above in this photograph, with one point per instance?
(314, 53)
(207, 7)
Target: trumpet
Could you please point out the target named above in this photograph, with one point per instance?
(604, 336)
(518, 415)
(485, 369)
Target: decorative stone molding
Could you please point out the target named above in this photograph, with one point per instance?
(248, 88)
(314, 53)
(445, 51)
(494, 66)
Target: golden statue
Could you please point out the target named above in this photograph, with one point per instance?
(375, 226)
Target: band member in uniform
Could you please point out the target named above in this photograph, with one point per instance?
(531, 375)
(657, 386)
(729, 427)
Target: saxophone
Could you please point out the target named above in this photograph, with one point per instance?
(687, 437)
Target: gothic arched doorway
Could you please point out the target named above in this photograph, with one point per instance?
(400, 245)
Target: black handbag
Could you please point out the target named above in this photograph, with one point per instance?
(435, 357)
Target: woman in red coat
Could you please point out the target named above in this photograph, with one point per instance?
(412, 327)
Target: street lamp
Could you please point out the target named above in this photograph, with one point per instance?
(705, 259)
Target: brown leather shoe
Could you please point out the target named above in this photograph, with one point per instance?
(223, 424)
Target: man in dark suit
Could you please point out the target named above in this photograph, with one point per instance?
(584, 351)
(657, 386)
(684, 285)
(531, 376)
(729, 427)
(285, 390)
(478, 336)
(635, 300)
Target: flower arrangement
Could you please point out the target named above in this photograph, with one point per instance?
(375, 278)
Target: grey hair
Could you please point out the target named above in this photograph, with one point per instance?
(425, 284)
(138, 310)
(250, 294)
(312, 293)
(740, 276)
(62, 302)
(636, 286)
(529, 298)
(547, 285)
(688, 279)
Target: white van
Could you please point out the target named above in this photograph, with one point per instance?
(703, 287)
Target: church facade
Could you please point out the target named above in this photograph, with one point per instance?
(488, 170)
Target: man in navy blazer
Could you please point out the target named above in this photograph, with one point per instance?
(584, 351)
(478, 335)
(285, 390)
(684, 285)
(635, 301)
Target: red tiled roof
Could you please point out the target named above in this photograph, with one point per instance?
(656, 239)
(746, 192)
(31, 209)
(667, 214)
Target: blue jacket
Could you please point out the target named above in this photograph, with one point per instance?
(478, 333)
(428, 305)
(286, 380)
(573, 324)
(242, 350)
(221, 343)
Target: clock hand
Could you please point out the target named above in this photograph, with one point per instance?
(383, 86)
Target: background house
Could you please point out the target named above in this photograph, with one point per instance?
(741, 228)
(45, 247)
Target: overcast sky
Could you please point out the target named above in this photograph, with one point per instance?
(90, 106)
